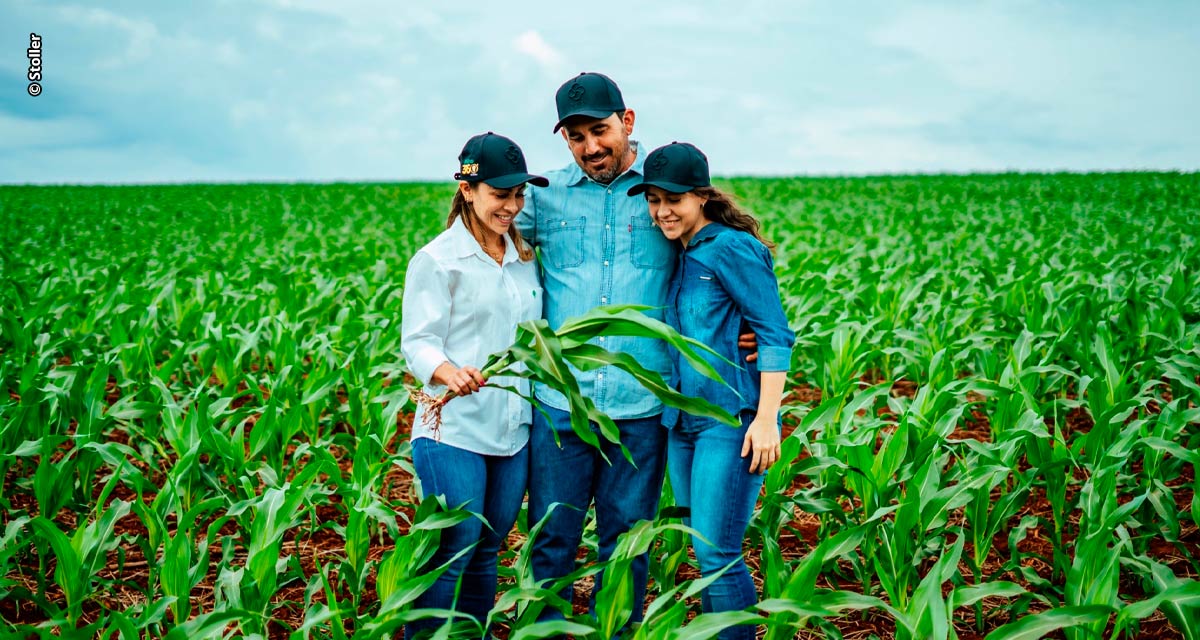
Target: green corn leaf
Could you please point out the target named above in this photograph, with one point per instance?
(587, 357)
(674, 601)
(208, 625)
(1181, 597)
(1175, 597)
(614, 602)
(627, 320)
(553, 628)
(968, 595)
(1038, 625)
(68, 570)
(708, 625)
(793, 607)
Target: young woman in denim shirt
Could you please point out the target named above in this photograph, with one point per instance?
(464, 294)
(724, 285)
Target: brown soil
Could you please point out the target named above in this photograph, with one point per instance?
(125, 579)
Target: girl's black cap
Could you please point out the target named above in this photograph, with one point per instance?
(677, 167)
(497, 160)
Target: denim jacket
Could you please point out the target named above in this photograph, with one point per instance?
(724, 285)
(597, 246)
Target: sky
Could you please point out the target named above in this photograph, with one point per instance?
(300, 90)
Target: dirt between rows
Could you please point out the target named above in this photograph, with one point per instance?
(127, 571)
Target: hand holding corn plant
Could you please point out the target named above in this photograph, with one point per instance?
(543, 355)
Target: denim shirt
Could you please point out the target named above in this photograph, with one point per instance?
(723, 286)
(597, 246)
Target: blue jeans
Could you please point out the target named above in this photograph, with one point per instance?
(709, 476)
(491, 487)
(575, 475)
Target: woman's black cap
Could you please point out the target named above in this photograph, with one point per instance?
(677, 167)
(497, 160)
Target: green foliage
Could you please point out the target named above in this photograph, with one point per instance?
(994, 430)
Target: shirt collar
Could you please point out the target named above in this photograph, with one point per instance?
(707, 232)
(577, 176)
(510, 252)
(464, 244)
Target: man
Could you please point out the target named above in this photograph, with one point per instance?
(598, 247)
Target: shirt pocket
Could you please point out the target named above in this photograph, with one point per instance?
(530, 294)
(563, 247)
(649, 248)
(704, 297)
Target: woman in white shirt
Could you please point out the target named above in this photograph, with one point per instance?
(464, 294)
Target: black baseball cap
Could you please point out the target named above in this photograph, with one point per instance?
(492, 158)
(677, 167)
(589, 94)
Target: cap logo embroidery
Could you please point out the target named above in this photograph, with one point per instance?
(513, 154)
(660, 161)
(470, 168)
(576, 92)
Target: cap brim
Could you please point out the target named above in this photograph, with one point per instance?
(671, 187)
(513, 179)
(590, 113)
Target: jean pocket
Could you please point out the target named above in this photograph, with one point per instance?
(649, 248)
(563, 247)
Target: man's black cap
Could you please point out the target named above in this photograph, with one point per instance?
(589, 94)
(496, 160)
(677, 167)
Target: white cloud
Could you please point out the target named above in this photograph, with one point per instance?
(864, 140)
(249, 112)
(137, 163)
(372, 20)
(268, 28)
(533, 45)
(140, 35)
(23, 133)
(874, 141)
(1078, 76)
(369, 89)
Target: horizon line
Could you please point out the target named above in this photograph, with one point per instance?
(743, 176)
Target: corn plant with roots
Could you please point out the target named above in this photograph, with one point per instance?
(547, 356)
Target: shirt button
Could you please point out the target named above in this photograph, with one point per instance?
(604, 300)
(599, 376)
(606, 263)
(601, 338)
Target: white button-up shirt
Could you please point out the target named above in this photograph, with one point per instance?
(460, 307)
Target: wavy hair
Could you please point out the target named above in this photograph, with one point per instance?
(720, 207)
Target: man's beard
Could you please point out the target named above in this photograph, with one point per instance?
(611, 173)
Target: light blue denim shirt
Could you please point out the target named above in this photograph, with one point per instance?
(597, 246)
(725, 285)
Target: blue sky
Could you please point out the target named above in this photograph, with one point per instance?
(230, 90)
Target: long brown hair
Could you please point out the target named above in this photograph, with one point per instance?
(720, 207)
(459, 207)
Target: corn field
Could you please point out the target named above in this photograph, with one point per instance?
(991, 429)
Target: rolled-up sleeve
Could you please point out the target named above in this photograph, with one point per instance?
(425, 316)
(755, 290)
